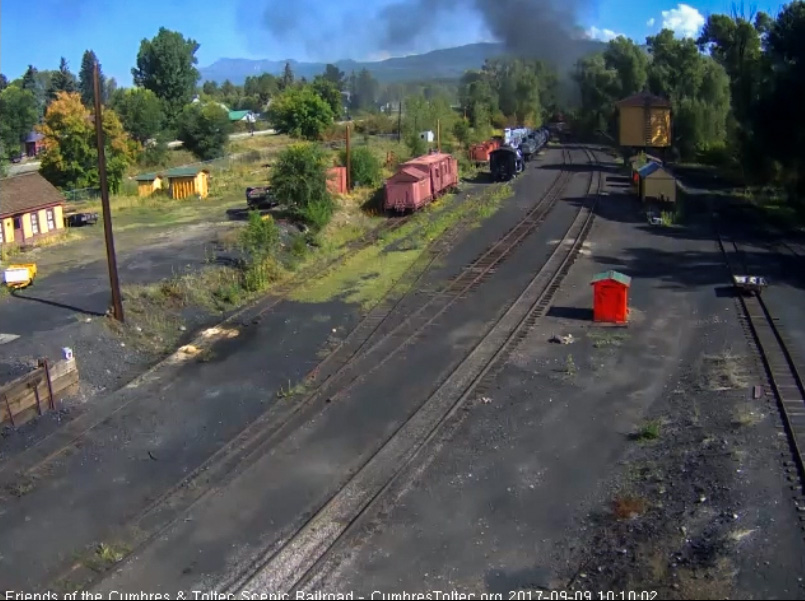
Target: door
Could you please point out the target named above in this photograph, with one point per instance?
(18, 229)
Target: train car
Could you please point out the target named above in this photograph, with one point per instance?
(479, 153)
(505, 163)
(419, 181)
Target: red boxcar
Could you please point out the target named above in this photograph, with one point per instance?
(479, 153)
(337, 180)
(420, 180)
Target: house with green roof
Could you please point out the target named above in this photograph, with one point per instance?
(180, 182)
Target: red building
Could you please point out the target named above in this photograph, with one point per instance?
(34, 144)
(611, 297)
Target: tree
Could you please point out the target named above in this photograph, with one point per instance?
(3, 82)
(204, 128)
(299, 179)
(301, 113)
(86, 84)
(287, 77)
(210, 88)
(166, 66)
(29, 79)
(109, 88)
(71, 156)
(62, 81)
(335, 76)
(328, 92)
(18, 115)
(140, 112)
(364, 167)
(364, 91)
(262, 87)
(630, 63)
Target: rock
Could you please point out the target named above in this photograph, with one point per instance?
(702, 499)
(486, 400)
(122, 344)
(563, 339)
(683, 530)
(139, 329)
(182, 329)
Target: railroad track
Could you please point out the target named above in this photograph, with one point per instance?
(293, 562)
(387, 328)
(781, 369)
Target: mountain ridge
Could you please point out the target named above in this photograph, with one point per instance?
(445, 63)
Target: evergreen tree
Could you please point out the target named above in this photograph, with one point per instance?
(61, 81)
(85, 79)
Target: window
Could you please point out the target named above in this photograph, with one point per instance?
(35, 223)
(51, 220)
(2, 240)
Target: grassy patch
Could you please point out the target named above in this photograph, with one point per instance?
(291, 390)
(649, 431)
(570, 368)
(366, 276)
(607, 338)
(106, 555)
(725, 371)
(746, 415)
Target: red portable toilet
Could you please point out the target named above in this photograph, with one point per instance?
(611, 297)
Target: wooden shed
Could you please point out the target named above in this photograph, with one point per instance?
(636, 162)
(148, 183)
(644, 121)
(656, 183)
(188, 181)
(611, 297)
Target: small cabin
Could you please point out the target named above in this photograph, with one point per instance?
(611, 297)
(427, 136)
(644, 121)
(655, 182)
(148, 183)
(188, 181)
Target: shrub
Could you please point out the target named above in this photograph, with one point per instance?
(364, 167)
(261, 236)
(299, 179)
(301, 113)
(376, 124)
(416, 145)
(204, 130)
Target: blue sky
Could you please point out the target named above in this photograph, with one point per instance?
(40, 31)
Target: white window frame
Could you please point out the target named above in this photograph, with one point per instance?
(51, 219)
(34, 223)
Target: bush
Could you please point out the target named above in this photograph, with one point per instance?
(301, 113)
(416, 145)
(377, 124)
(299, 179)
(364, 167)
(261, 236)
(204, 130)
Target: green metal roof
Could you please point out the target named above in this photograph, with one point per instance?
(147, 177)
(237, 115)
(184, 171)
(612, 275)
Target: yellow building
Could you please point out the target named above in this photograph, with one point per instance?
(188, 181)
(30, 208)
(656, 183)
(148, 183)
(644, 121)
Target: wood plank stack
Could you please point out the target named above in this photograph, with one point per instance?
(38, 391)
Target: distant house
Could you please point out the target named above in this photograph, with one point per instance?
(30, 208)
(246, 116)
(34, 144)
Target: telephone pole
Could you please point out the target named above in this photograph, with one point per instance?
(439, 135)
(117, 302)
(399, 123)
(349, 161)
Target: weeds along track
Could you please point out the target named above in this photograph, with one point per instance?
(781, 367)
(297, 559)
(383, 332)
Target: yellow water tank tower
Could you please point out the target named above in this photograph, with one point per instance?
(644, 121)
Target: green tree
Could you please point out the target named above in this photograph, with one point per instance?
(630, 62)
(210, 88)
(71, 156)
(109, 87)
(299, 179)
(263, 87)
(335, 76)
(140, 112)
(3, 82)
(18, 115)
(287, 77)
(328, 92)
(365, 92)
(29, 81)
(166, 66)
(204, 128)
(86, 82)
(62, 81)
(301, 113)
(364, 167)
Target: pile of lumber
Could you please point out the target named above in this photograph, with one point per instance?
(38, 391)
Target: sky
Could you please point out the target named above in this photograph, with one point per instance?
(39, 32)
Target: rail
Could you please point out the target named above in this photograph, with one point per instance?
(782, 371)
(298, 557)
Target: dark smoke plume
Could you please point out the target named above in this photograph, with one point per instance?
(545, 29)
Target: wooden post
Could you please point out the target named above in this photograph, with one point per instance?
(349, 161)
(117, 302)
(439, 135)
(399, 123)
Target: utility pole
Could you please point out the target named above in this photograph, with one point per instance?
(117, 302)
(399, 123)
(439, 135)
(349, 161)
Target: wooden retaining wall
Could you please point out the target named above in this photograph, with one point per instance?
(37, 392)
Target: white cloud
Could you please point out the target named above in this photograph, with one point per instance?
(651, 21)
(684, 20)
(602, 35)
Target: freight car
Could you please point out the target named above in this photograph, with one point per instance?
(479, 153)
(421, 180)
(505, 163)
